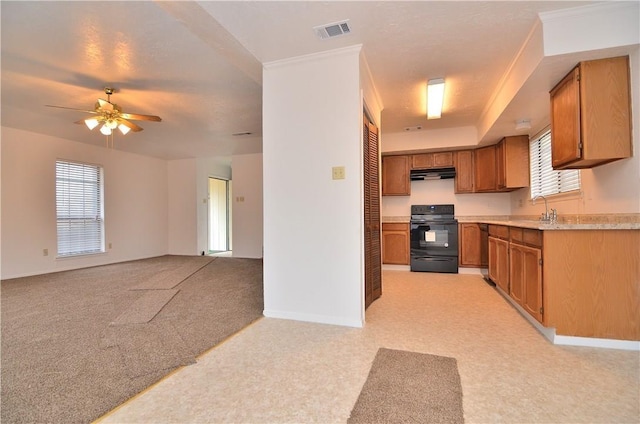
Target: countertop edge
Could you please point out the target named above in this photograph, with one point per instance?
(572, 223)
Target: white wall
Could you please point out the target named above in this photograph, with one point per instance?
(450, 138)
(135, 203)
(312, 118)
(183, 207)
(442, 192)
(247, 201)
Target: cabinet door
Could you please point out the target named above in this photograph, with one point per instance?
(395, 243)
(464, 171)
(442, 159)
(532, 279)
(422, 161)
(470, 245)
(395, 176)
(499, 262)
(501, 177)
(485, 169)
(512, 156)
(502, 253)
(565, 121)
(516, 271)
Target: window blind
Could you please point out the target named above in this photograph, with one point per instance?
(546, 181)
(79, 208)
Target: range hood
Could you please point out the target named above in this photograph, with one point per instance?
(432, 174)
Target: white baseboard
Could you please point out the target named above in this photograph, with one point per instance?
(556, 339)
(472, 271)
(390, 267)
(593, 342)
(320, 319)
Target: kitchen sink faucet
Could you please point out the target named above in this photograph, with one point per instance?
(546, 217)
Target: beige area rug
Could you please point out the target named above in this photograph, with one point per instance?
(408, 387)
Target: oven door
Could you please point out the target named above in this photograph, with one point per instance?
(434, 238)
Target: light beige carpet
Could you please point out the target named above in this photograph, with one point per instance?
(409, 387)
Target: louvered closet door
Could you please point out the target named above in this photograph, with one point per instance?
(372, 245)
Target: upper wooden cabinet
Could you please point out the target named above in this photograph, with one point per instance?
(512, 163)
(591, 115)
(432, 160)
(464, 180)
(395, 175)
(485, 169)
(500, 167)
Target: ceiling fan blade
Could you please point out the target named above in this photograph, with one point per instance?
(139, 117)
(133, 127)
(72, 108)
(105, 105)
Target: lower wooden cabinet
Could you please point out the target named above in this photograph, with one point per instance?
(473, 245)
(499, 262)
(395, 243)
(582, 283)
(525, 278)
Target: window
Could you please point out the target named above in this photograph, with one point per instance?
(546, 181)
(79, 209)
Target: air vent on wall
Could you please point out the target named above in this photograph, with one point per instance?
(335, 29)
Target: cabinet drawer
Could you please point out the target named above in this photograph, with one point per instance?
(515, 235)
(526, 236)
(395, 226)
(499, 231)
(532, 237)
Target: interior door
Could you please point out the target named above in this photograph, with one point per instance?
(372, 244)
(219, 215)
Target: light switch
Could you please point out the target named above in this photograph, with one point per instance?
(337, 172)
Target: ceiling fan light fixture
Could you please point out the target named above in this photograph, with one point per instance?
(124, 129)
(105, 130)
(91, 123)
(112, 124)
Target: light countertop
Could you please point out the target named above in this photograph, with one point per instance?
(568, 222)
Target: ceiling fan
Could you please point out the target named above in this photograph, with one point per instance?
(111, 116)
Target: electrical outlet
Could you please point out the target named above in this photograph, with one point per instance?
(337, 172)
(109, 245)
(45, 252)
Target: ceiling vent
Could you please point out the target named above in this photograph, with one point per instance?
(335, 29)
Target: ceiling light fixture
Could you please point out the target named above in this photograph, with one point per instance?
(435, 98)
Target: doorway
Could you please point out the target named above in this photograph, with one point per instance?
(219, 215)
